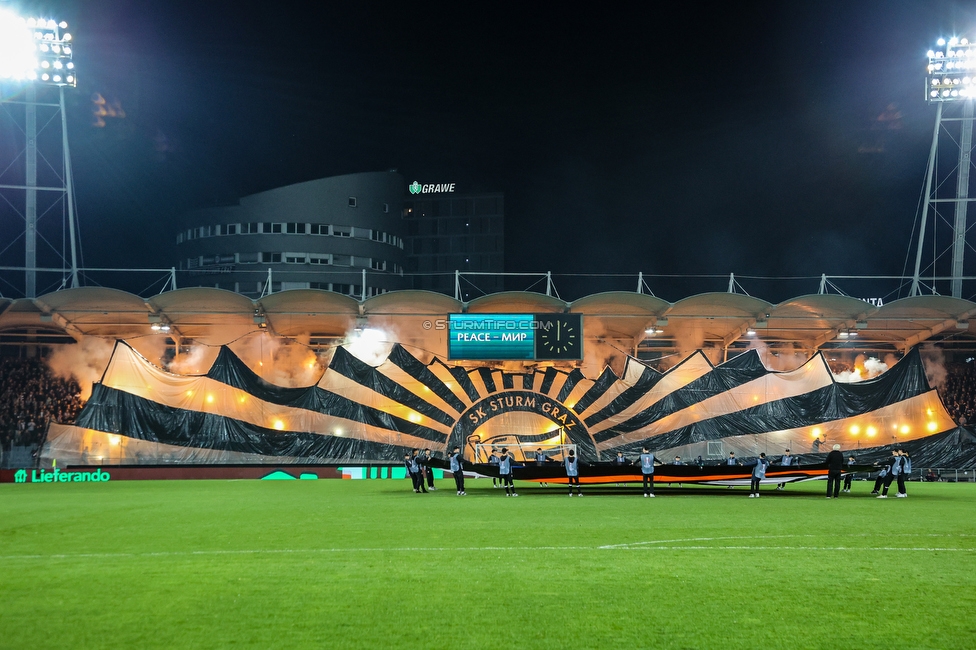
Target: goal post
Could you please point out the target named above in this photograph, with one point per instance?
(523, 452)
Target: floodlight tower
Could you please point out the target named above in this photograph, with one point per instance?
(950, 82)
(36, 58)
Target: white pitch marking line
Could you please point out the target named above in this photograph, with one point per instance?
(643, 546)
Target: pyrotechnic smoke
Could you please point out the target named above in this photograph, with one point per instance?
(933, 360)
(602, 349)
(370, 345)
(863, 367)
(688, 340)
(152, 347)
(84, 362)
(194, 361)
(280, 361)
(781, 359)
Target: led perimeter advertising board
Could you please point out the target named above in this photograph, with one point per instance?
(515, 337)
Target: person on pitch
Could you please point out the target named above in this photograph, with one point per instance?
(880, 479)
(849, 477)
(894, 473)
(571, 463)
(457, 469)
(905, 473)
(835, 467)
(619, 460)
(647, 462)
(425, 459)
(732, 460)
(493, 460)
(677, 461)
(540, 461)
(786, 461)
(884, 476)
(413, 470)
(505, 472)
(758, 474)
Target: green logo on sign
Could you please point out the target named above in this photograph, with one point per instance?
(57, 476)
(415, 187)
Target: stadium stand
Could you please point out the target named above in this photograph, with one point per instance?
(31, 397)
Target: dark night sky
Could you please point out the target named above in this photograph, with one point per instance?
(705, 138)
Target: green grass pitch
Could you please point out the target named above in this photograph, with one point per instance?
(370, 564)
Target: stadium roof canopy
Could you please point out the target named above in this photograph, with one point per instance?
(628, 320)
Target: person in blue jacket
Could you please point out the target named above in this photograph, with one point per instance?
(647, 463)
(505, 462)
(457, 469)
(849, 477)
(571, 463)
(758, 474)
(906, 471)
(894, 472)
(493, 460)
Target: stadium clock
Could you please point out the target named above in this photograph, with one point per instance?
(559, 337)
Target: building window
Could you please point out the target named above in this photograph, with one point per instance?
(386, 208)
(378, 265)
(342, 260)
(230, 229)
(352, 201)
(271, 258)
(342, 231)
(318, 229)
(294, 258)
(319, 259)
(250, 228)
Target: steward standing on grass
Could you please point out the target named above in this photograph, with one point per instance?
(835, 467)
(786, 461)
(572, 473)
(505, 472)
(457, 469)
(758, 474)
(413, 469)
(732, 460)
(540, 461)
(493, 460)
(428, 470)
(849, 477)
(906, 471)
(647, 462)
(418, 464)
(677, 461)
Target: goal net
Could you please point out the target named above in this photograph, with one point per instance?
(524, 453)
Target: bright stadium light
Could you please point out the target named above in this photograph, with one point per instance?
(943, 69)
(36, 59)
(30, 45)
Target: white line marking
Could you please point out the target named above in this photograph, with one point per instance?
(668, 545)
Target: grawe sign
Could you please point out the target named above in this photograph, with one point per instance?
(430, 188)
(57, 476)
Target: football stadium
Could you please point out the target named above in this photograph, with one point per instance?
(333, 420)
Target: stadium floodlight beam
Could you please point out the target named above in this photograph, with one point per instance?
(950, 80)
(39, 52)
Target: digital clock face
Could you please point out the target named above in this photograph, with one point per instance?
(559, 336)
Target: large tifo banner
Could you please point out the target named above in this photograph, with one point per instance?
(141, 414)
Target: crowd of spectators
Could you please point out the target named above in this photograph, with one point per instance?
(31, 397)
(959, 393)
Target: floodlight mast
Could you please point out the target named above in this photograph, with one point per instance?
(37, 52)
(950, 80)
